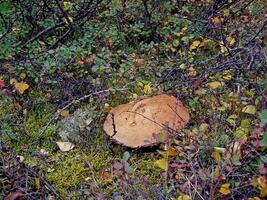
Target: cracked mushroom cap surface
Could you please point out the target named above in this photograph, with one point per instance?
(138, 124)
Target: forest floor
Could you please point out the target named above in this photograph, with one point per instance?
(214, 63)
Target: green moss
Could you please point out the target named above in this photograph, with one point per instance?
(67, 171)
(4, 106)
(144, 165)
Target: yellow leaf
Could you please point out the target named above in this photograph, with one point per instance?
(217, 156)
(249, 109)
(64, 113)
(231, 41)
(254, 182)
(66, 5)
(195, 44)
(225, 189)
(22, 76)
(184, 197)
(220, 149)
(162, 163)
(21, 87)
(118, 2)
(227, 77)
(226, 12)
(147, 89)
(263, 192)
(216, 20)
(262, 186)
(254, 198)
(13, 81)
(65, 146)
(216, 173)
(261, 182)
(214, 85)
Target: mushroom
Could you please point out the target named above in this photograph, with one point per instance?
(139, 124)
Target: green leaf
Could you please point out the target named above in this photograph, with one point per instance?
(126, 156)
(128, 168)
(263, 117)
(249, 109)
(263, 159)
(263, 141)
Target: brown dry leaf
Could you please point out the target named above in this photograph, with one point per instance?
(15, 106)
(140, 123)
(171, 151)
(139, 62)
(216, 20)
(196, 83)
(65, 146)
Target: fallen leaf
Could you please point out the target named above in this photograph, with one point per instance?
(182, 66)
(162, 163)
(214, 85)
(216, 20)
(13, 81)
(22, 76)
(64, 113)
(249, 109)
(262, 186)
(217, 156)
(227, 77)
(254, 198)
(65, 146)
(231, 41)
(184, 197)
(66, 5)
(196, 83)
(2, 83)
(170, 152)
(225, 189)
(14, 195)
(21, 87)
(195, 45)
(139, 62)
(220, 149)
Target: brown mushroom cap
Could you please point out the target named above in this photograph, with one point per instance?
(136, 125)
